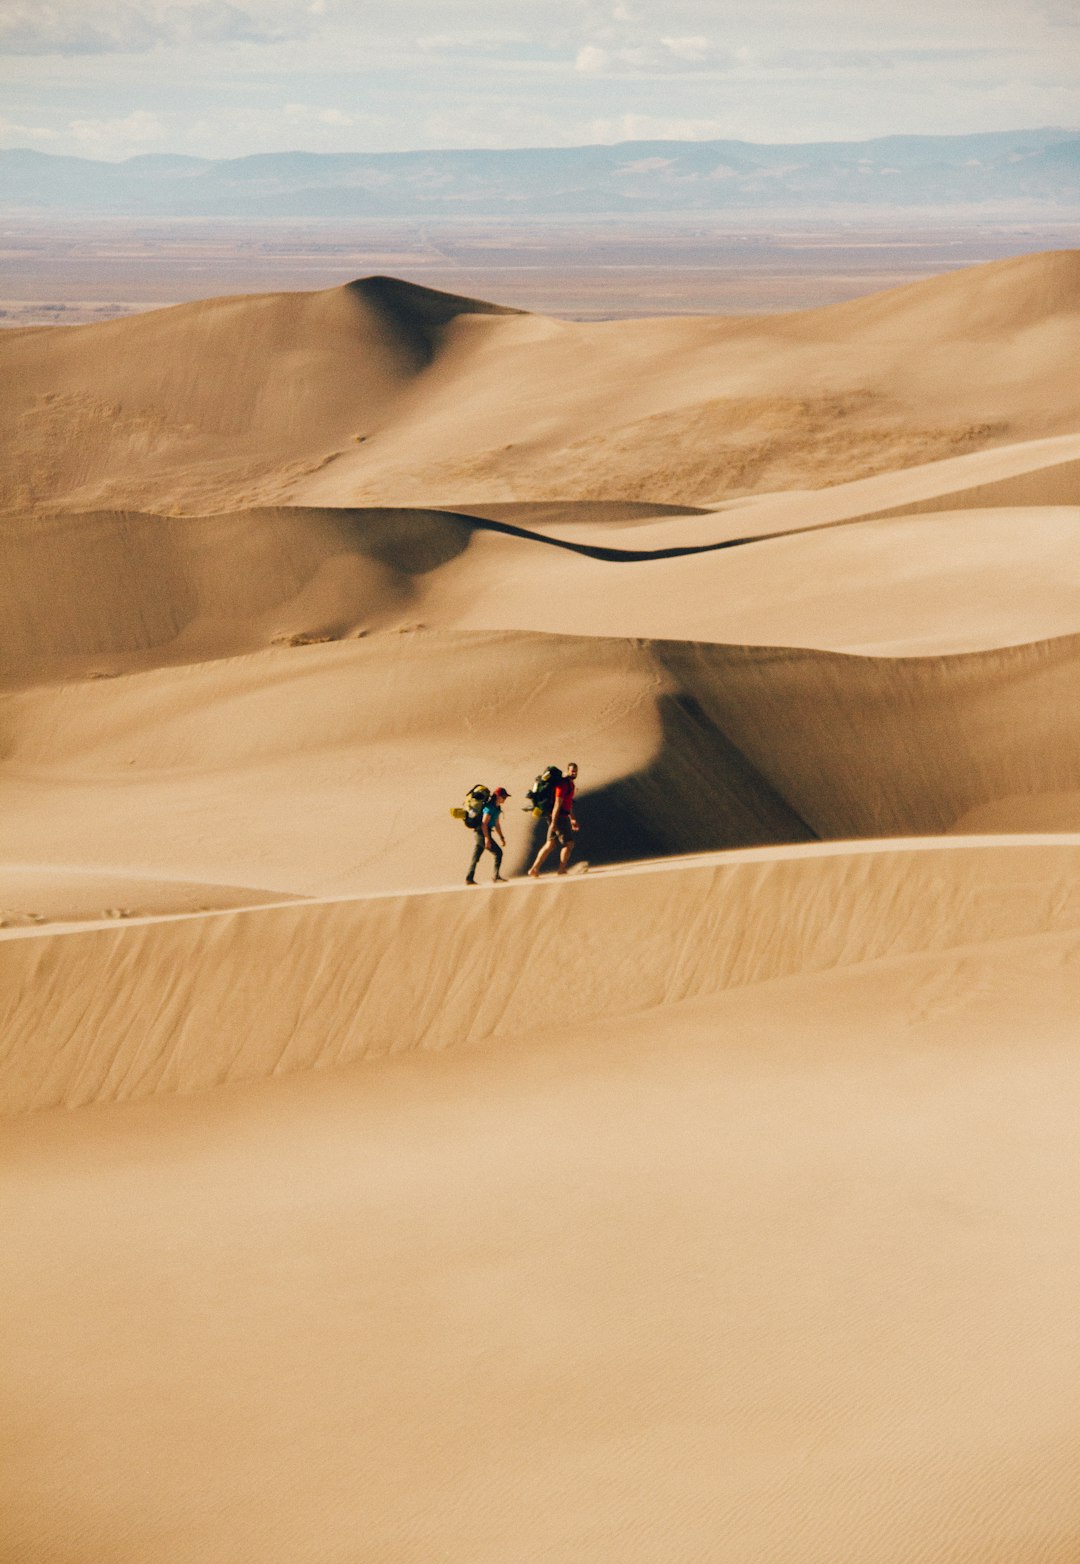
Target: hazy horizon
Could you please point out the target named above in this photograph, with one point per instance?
(294, 150)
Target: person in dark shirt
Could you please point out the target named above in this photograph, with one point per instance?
(486, 832)
(562, 831)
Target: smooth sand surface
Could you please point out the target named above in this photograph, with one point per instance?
(173, 1004)
(31, 894)
(382, 392)
(706, 1282)
(717, 1203)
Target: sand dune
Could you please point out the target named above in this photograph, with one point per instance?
(329, 770)
(991, 561)
(181, 1004)
(32, 894)
(714, 1203)
(925, 584)
(386, 392)
(215, 394)
(781, 1271)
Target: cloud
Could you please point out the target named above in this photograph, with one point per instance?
(471, 43)
(591, 61)
(870, 60)
(17, 135)
(423, 73)
(664, 56)
(692, 51)
(68, 27)
(1061, 13)
(307, 114)
(117, 137)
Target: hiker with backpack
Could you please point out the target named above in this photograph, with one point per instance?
(483, 814)
(553, 795)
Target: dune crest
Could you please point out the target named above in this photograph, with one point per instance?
(387, 391)
(366, 967)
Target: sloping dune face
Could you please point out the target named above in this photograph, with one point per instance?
(385, 392)
(717, 1203)
(215, 399)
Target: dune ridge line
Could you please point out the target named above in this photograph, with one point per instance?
(181, 1005)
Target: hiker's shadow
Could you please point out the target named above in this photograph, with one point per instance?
(698, 794)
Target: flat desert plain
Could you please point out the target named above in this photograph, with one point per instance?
(719, 1203)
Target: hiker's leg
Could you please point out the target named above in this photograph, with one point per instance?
(543, 854)
(497, 851)
(564, 856)
(477, 850)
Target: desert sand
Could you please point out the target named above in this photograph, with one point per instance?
(717, 1203)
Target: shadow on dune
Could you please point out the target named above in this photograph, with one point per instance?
(416, 313)
(124, 585)
(768, 745)
(190, 588)
(699, 794)
(615, 556)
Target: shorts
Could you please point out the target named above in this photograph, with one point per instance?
(564, 833)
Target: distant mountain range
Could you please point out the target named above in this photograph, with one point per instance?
(1025, 170)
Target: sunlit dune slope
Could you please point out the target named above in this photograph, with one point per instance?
(210, 398)
(329, 769)
(1029, 472)
(991, 560)
(72, 893)
(958, 581)
(784, 1272)
(108, 593)
(181, 1004)
(384, 391)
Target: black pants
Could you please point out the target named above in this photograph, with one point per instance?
(480, 847)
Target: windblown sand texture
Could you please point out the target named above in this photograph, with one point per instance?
(717, 1204)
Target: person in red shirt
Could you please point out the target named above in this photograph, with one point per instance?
(563, 827)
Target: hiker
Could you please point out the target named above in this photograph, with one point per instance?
(486, 831)
(563, 826)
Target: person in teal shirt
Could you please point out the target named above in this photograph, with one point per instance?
(489, 835)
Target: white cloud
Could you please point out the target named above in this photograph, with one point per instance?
(663, 56)
(421, 73)
(118, 137)
(692, 50)
(479, 44)
(137, 26)
(13, 134)
(591, 60)
(309, 114)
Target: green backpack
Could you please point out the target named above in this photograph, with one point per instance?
(475, 799)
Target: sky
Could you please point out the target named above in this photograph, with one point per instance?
(224, 78)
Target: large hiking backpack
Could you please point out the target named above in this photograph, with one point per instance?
(541, 795)
(473, 809)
